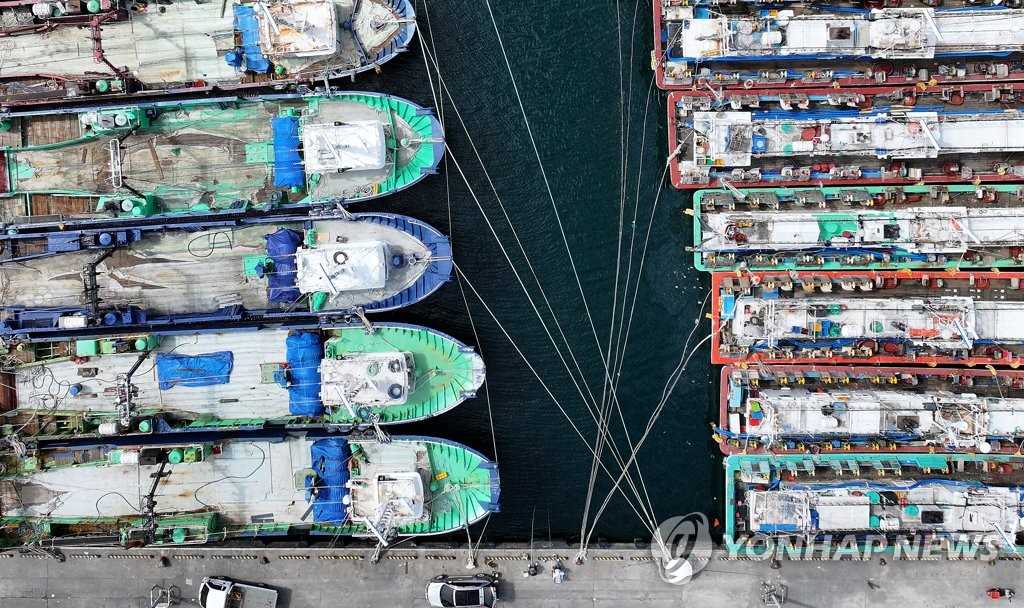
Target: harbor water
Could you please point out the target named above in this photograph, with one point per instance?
(584, 80)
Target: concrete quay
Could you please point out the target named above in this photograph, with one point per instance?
(611, 577)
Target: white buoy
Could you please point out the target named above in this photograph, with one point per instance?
(851, 331)
(43, 10)
(108, 428)
(130, 457)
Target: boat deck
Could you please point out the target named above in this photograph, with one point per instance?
(183, 158)
(176, 42)
(843, 147)
(181, 43)
(702, 34)
(872, 227)
(248, 395)
(873, 317)
(897, 405)
(245, 482)
(933, 507)
(180, 272)
(258, 486)
(192, 158)
(823, 57)
(976, 494)
(853, 199)
(247, 392)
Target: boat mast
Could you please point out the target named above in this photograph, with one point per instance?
(126, 392)
(149, 502)
(92, 288)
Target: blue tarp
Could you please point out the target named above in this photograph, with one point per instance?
(245, 24)
(303, 356)
(281, 247)
(193, 370)
(288, 170)
(330, 463)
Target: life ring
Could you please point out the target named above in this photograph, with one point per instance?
(748, 83)
(363, 412)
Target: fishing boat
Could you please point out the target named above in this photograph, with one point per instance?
(57, 51)
(890, 33)
(341, 375)
(889, 97)
(178, 492)
(773, 148)
(906, 502)
(782, 409)
(744, 78)
(747, 44)
(266, 268)
(770, 147)
(871, 227)
(868, 317)
(216, 156)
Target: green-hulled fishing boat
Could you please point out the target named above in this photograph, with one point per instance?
(914, 227)
(182, 493)
(227, 154)
(342, 376)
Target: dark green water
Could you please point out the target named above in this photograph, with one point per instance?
(565, 58)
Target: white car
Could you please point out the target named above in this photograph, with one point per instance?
(474, 590)
(218, 592)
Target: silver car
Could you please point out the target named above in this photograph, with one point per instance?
(474, 590)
